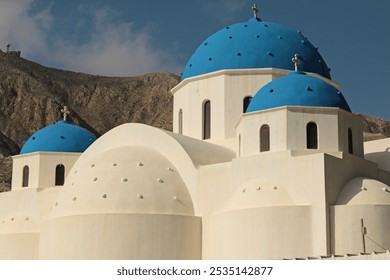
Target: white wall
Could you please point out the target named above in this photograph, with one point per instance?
(121, 236)
(226, 90)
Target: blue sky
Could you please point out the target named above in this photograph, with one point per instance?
(132, 37)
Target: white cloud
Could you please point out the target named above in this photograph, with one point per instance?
(113, 48)
(21, 30)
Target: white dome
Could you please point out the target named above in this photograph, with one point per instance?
(361, 190)
(124, 179)
(18, 223)
(256, 193)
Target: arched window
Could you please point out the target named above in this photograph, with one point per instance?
(60, 175)
(264, 138)
(206, 119)
(180, 121)
(311, 136)
(26, 171)
(350, 141)
(246, 102)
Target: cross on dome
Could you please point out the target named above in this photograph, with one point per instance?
(296, 60)
(66, 112)
(255, 10)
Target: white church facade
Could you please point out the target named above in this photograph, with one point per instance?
(265, 161)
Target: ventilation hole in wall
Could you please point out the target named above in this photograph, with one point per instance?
(270, 53)
(363, 188)
(104, 196)
(140, 164)
(238, 54)
(308, 88)
(243, 190)
(92, 165)
(124, 179)
(56, 204)
(271, 90)
(265, 25)
(210, 58)
(205, 43)
(75, 171)
(227, 27)
(95, 179)
(230, 37)
(170, 169)
(299, 31)
(72, 183)
(258, 188)
(246, 25)
(27, 219)
(74, 198)
(140, 196)
(114, 164)
(275, 187)
(280, 37)
(190, 65)
(160, 180)
(12, 219)
(62, 137)
(33, 138)
(257, 36)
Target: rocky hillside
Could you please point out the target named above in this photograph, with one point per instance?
(31, 97)
(375, 128)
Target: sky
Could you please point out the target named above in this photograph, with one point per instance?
(133, 37)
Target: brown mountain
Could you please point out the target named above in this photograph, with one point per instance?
(31, 97)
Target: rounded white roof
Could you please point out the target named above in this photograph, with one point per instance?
(256, 193)
(124, 179)
(18, 223)
(361, 190)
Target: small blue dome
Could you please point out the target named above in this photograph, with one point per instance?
(62, 136)
(255, 44)
(297, 89)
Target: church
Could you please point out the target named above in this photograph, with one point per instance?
(265, 161)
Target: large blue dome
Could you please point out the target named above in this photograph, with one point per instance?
(255, 44)
(297, 89)
(62, 136)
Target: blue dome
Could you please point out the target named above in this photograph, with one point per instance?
(62, 136)
(255, 44)
(297, 89)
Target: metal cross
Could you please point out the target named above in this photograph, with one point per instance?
(296, 61)
(255, 10)
(66, 112)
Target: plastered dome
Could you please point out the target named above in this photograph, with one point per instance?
(62, 136)
(19, 223)
(127, 179)
(366, 191)
(255, 44)
(257, 193)
(297, 89)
